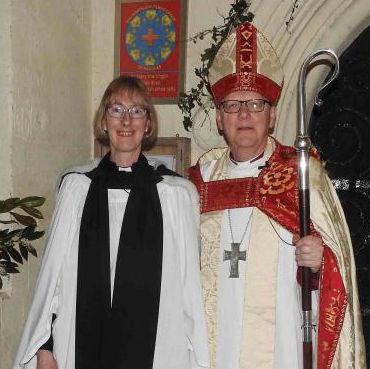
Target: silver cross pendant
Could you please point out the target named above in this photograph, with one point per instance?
(234, 256)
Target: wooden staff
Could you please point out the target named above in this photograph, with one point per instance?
(302, 145)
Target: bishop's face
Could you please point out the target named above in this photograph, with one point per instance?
(246, 132)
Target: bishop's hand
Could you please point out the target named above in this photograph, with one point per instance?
(309, 252)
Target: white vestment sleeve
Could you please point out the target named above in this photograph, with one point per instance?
(195, 324)
(63, 225)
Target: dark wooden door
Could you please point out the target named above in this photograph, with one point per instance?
(340, 129)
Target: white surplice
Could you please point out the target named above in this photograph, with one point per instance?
(181, 341)
(231, 291)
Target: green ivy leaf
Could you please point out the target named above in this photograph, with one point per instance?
(32, 201)
(15, 233)
(24, 219)
(31, 250)
(30, 234)
(9, 204)
(11, 270)
(4, 256)
(32, 211)
(7, 235)
(187, 123)
(15, 255)
(8, 267)
(8, 263)
(27, 231)
(24, 251)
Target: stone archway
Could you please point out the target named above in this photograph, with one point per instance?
(316, 24)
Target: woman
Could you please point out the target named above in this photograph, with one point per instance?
(121, 269)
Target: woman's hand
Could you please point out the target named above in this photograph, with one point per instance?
(45, 360)
(309, 252)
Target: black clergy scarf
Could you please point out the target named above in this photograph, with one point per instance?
(121, 334)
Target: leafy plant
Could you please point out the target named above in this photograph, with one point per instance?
(197, 96)
(15, 241)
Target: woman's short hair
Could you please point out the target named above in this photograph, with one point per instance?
(136, 90)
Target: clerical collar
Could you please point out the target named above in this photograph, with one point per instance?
(236, 162)
(249, 168)
(125, 169)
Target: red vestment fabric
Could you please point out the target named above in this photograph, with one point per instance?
(275, 192)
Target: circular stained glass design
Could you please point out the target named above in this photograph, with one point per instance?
(150, 37)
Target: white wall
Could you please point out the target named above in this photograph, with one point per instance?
(5, 98)
(102, 48)
(45, 115)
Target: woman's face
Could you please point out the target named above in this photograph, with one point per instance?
(126, 121)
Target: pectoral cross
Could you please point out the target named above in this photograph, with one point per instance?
(234, 256)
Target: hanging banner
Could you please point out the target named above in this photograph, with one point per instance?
(151, 45)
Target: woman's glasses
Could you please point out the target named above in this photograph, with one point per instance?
(118, 111)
